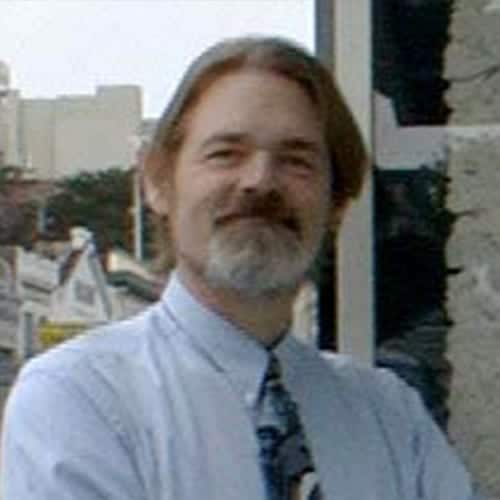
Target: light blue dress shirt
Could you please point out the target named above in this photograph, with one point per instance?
(163, 407)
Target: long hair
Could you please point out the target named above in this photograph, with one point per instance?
(347, 153)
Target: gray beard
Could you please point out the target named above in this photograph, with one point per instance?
(259, 261)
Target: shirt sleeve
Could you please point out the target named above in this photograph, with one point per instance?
(439, 472)
(58, 444)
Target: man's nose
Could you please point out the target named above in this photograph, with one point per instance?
(259, 173)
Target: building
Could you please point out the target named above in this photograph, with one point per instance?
(132, 287)
(51, 137)
(10, 303)
(473, 70)
(437, 62)
(59, 284)
(60, 288)
(9, 120)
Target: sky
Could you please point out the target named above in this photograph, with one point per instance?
(56, 47)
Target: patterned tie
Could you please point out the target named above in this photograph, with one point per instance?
(285, 457)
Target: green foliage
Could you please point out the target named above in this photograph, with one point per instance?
(99, 201)
(17, 215)
(7, 173)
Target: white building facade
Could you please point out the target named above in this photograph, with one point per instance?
(63, 286)
(54, 138)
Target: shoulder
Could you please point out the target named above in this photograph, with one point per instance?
(118, 341)
(394, 411)
(354, 372)
(396, 407)
(380, 386)
(107, 366)
(350, 378)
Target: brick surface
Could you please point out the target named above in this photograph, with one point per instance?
(474, 246)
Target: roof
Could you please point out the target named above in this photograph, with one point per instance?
(147, 290)
(68, 265)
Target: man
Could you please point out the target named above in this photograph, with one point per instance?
(204, 395)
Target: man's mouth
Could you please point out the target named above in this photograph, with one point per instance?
(288, 222)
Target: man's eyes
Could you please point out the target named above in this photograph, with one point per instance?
(297, 162)
(223, 155)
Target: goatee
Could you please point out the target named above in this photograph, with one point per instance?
(257, 249)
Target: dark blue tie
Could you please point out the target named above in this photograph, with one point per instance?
(285, 457)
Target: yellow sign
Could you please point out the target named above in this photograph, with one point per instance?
(52, 333)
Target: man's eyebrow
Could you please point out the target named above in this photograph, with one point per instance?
(300, 143)
(284, 144)
(225, 137)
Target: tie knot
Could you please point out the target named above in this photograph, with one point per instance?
(273, 372)
(277, 405)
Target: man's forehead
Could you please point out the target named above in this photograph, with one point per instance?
(243, 103)
(283, 140)
(253, 80)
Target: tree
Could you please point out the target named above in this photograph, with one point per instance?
(7, 173)
(99, 201)
(17, 215)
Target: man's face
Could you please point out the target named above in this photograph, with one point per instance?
(249, 197)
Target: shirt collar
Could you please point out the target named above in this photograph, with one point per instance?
(227, 346)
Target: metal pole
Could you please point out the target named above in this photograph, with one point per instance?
(3, 152)
(137, 142)
(323, 31)
(355, 257)
(343, 42)
(138, 222)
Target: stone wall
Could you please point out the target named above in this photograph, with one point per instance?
(473, 252)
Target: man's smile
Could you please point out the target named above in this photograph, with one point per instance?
(289, 223)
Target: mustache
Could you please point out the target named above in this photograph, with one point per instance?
(270, 207)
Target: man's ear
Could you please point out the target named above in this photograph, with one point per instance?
(156, 182)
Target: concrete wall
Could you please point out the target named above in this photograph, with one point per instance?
(37, 136)
(94, 133)
(9, 128)
(70, 134)
(474, 246)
